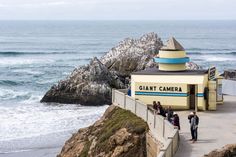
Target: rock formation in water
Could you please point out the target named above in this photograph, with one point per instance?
(119, 133)
(229, 74)
(92, 84)
(132, 55)
(87, 85)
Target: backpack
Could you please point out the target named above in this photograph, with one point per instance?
(197, 120)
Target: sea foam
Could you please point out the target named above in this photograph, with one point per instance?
(23, 61)
(28, 121)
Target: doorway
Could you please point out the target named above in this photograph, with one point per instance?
(192, 96)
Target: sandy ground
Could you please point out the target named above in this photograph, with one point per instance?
(216, 129)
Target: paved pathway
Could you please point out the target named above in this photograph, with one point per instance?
(216, 129)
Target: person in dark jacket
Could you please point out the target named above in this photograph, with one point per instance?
(161, 110)
(169, 114)
(176, 121)
(194, 121)
(154, 105)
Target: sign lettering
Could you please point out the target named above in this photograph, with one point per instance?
(161, 88)
(212, 73)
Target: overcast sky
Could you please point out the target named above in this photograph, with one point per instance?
(117, 9)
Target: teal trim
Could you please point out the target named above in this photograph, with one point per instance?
(162, 94)
(171, 60)
(200, 95)
(167, 94)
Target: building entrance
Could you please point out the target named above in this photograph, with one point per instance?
(192, 96)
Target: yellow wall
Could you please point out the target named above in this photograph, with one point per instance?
(172, 67)
(172, 54)
(178, 102)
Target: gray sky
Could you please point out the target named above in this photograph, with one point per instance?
(117, 9)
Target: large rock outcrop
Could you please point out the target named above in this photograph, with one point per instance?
(87, 85)
(119, 133)
(132, 55)
(92, 84)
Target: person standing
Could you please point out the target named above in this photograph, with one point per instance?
(176, 122)
(129, 91)
(161, 110)
(194, 121)
(154, 105)
(169, 114)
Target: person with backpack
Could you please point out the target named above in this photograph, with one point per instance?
(176, 121)
(154, 105)
(194, 121)
(169, 114)
(161, 110)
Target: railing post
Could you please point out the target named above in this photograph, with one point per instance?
(146, 112)
(163, 131)
(113, 95)
(154, 119)
(172, 147)
(125, 101)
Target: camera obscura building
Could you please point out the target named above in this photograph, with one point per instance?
(173, 85)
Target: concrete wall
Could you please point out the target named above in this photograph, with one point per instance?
(130, 103)
(151, 119)
(161, 131)
(119, 98)
(168, 129)
(141, 110)
(229, 87)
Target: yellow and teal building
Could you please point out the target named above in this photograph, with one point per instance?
(173, 85)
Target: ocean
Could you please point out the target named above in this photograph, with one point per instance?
(34, 55)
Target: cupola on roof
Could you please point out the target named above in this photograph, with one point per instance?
(172, 45)
(172, 56)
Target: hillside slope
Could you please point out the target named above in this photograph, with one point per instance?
(119, 133)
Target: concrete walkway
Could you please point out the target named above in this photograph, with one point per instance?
(216, 129)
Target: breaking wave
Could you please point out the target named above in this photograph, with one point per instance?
(9, 94)
(9, 83)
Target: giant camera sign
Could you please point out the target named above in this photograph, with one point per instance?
(212, 73)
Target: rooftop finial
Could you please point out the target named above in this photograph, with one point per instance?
(173, 45)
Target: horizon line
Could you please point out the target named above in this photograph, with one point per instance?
(118, 20)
